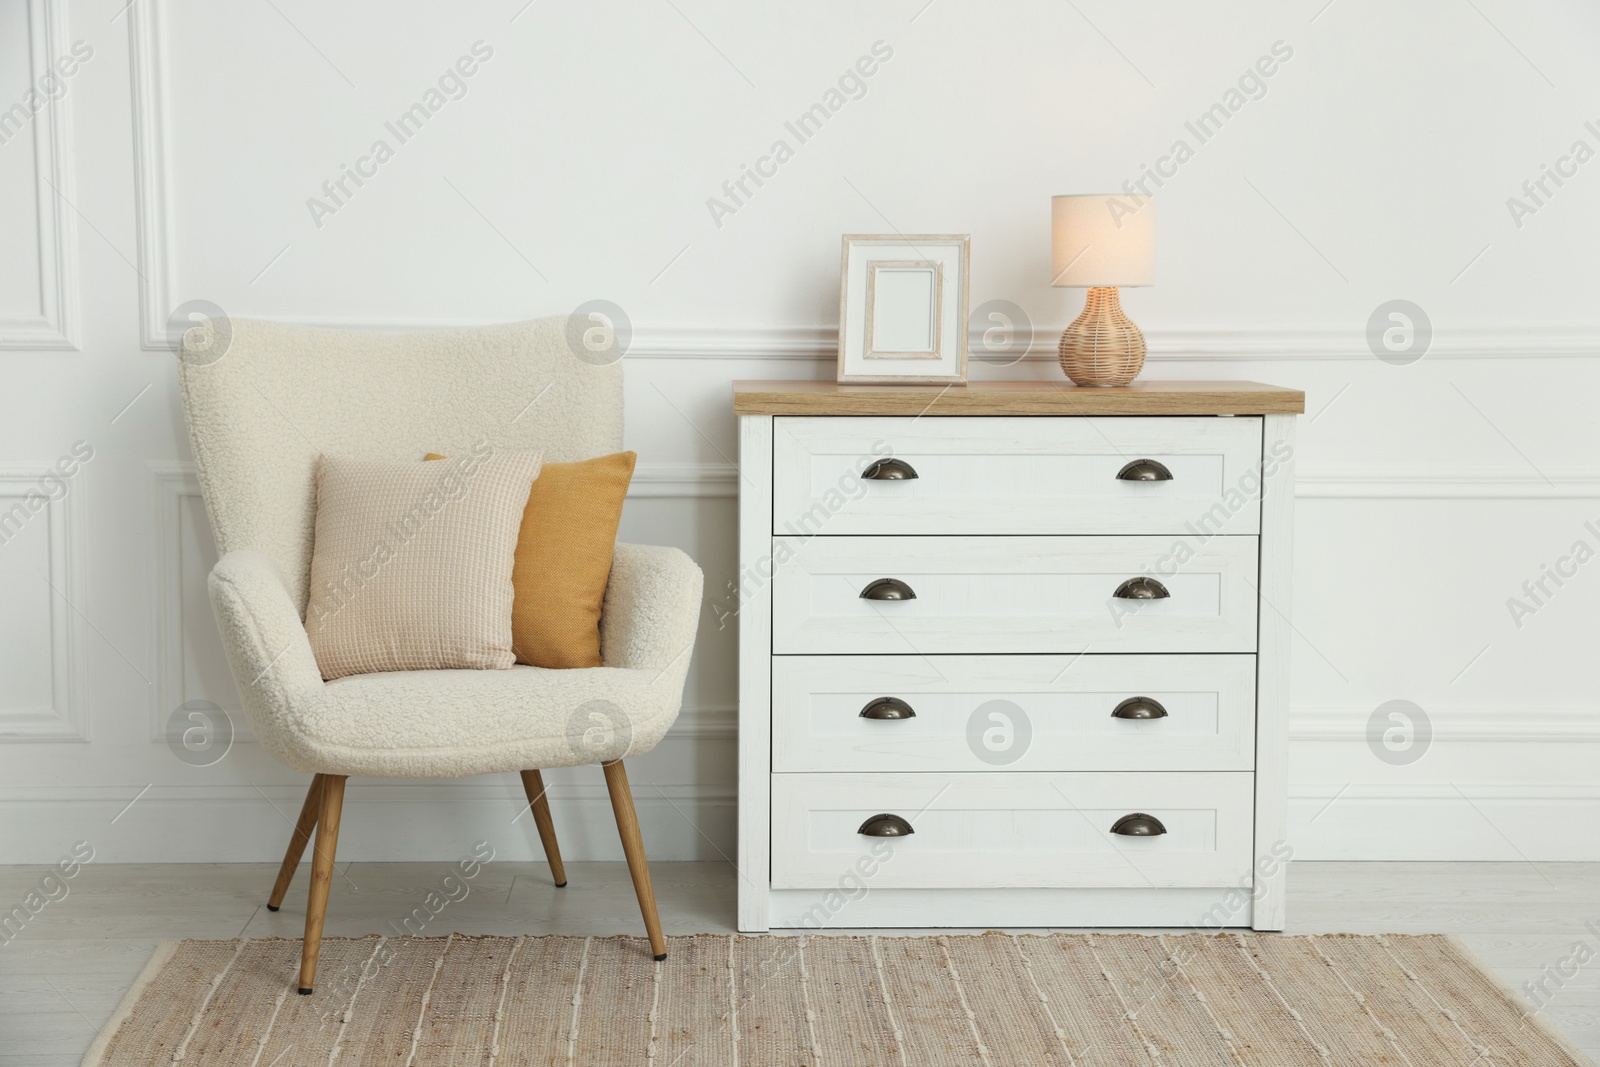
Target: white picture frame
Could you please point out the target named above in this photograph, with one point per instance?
(903, 308)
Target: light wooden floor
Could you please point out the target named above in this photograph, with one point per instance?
(63, 976)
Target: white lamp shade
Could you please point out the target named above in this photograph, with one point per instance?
(1103, 240)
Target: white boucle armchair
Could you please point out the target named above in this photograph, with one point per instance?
(263, 401)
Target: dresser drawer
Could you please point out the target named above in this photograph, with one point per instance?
(1021, 713)
(1011, 595)
(1015, 476)
(1011, 830)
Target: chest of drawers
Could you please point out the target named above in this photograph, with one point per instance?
(1013, 654)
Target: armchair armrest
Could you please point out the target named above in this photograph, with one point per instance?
(264, 638)
(651, 610)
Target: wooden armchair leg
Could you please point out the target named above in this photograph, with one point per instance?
(533, 785)
(332, 803)
(297, 843)
(633, 848)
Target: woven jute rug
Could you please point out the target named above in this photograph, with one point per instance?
(1078, 1000)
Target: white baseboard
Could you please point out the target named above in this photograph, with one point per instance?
(1439, 821)
(381, 822)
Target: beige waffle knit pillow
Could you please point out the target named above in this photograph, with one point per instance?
(411, 567)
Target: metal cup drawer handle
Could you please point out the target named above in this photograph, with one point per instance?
(1141, 588)
(888, 589)
(888, 708)
(886, 826)
(1139, 708)
(893, 470)
(1145, 470)
(1138, 824)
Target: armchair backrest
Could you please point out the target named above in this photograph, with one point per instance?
(280, 395)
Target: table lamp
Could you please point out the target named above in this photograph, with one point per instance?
(1100, 243)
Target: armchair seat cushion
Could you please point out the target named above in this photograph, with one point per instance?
(434, 724)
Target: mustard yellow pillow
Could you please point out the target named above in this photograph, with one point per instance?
(563, 559)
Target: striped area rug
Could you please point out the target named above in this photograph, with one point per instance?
(998, 1000)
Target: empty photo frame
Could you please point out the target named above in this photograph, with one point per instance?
(903, 308)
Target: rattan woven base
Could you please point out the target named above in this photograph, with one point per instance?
(1102, 346)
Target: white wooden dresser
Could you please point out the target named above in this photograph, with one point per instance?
(1013, 654)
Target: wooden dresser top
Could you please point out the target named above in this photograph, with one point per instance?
(1050, 397)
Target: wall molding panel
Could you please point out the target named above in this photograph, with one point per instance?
(819, 342)
(176, 486)
(65, 717)
(1389, 484)
(57, 326)
(150, 172)
(696, 480)
(173, 483)
(1505, 725)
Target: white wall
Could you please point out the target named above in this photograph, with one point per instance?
(1375, 165)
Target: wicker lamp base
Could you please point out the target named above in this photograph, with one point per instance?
(1102, 346)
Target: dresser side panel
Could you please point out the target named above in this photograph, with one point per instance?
(755, 670)
(1274, 632)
